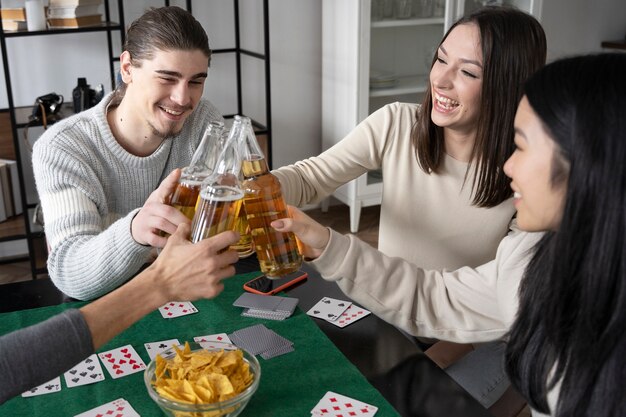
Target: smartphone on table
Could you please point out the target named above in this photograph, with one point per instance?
(265, 286)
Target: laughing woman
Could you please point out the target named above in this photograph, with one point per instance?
(446, 202)
(567, 346)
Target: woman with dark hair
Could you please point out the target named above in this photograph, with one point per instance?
(443, 160)
(566, 313)
(569, 336)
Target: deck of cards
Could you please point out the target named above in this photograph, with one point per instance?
(270, 307)
(337, 405)
(259, 340)
(338, 312)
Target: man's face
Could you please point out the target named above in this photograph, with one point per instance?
(163, 91)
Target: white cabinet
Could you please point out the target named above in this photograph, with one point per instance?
(395, 53)
(367, 63)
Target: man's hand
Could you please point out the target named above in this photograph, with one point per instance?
(313, 235)
(156, 215)
(190, 271)
(183, 271)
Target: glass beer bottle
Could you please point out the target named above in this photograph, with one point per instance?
(203, 162)
(245, 246)
(263, 201)
(221, 195)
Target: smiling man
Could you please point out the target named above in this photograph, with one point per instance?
(103, 175)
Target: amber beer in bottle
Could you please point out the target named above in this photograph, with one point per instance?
(263, 201)
(217, 211)
(245, 246)
(221, 195)
(185, 196)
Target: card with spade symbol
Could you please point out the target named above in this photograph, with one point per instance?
(154, 348)
(88, 371)
(329, 309)
(54, 385)
(122, 361)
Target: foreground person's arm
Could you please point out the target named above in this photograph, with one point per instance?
(183, 271)
(464, 305)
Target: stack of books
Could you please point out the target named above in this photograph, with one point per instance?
(74, 13)
(10, 197)
(13, 19)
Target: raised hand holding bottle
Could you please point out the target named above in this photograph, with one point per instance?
(277, 252)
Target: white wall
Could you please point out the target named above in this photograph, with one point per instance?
(582, 25)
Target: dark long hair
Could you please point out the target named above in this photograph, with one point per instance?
(571, 325)
(514, 46)
(163, 29)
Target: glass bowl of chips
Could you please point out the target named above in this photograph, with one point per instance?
(203, 380)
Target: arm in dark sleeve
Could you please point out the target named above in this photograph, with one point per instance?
(43, 352)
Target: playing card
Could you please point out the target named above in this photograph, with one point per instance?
(280, 350)
(86, 372)
(122, 361)
(337, 405)
(175, 309)
(258, 339)
(206, 340)
(328, 308)
(116, 408)
(352, 314)
(154, 348)
(258, 301)
(54, 385)
(265, 314)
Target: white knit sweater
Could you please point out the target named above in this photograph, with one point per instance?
(91, 188)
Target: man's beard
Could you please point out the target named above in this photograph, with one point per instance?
(169, 133)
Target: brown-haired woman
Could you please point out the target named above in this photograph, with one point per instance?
(443, 160)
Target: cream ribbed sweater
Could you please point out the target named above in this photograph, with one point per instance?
(426, 219)
(90, 189)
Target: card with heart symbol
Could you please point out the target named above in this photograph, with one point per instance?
(122, 361)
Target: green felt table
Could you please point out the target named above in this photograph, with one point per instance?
(290, 386)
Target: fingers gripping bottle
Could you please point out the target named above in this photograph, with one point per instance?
(263, 201)
(203, 162)
(221, 195)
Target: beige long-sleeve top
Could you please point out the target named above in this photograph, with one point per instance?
(426, 219)
(464, 305)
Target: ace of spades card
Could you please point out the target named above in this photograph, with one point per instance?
(329, 309)
(86, 372)
(122, 361)
(54, 385)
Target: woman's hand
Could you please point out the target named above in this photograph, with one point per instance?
(311, 234)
